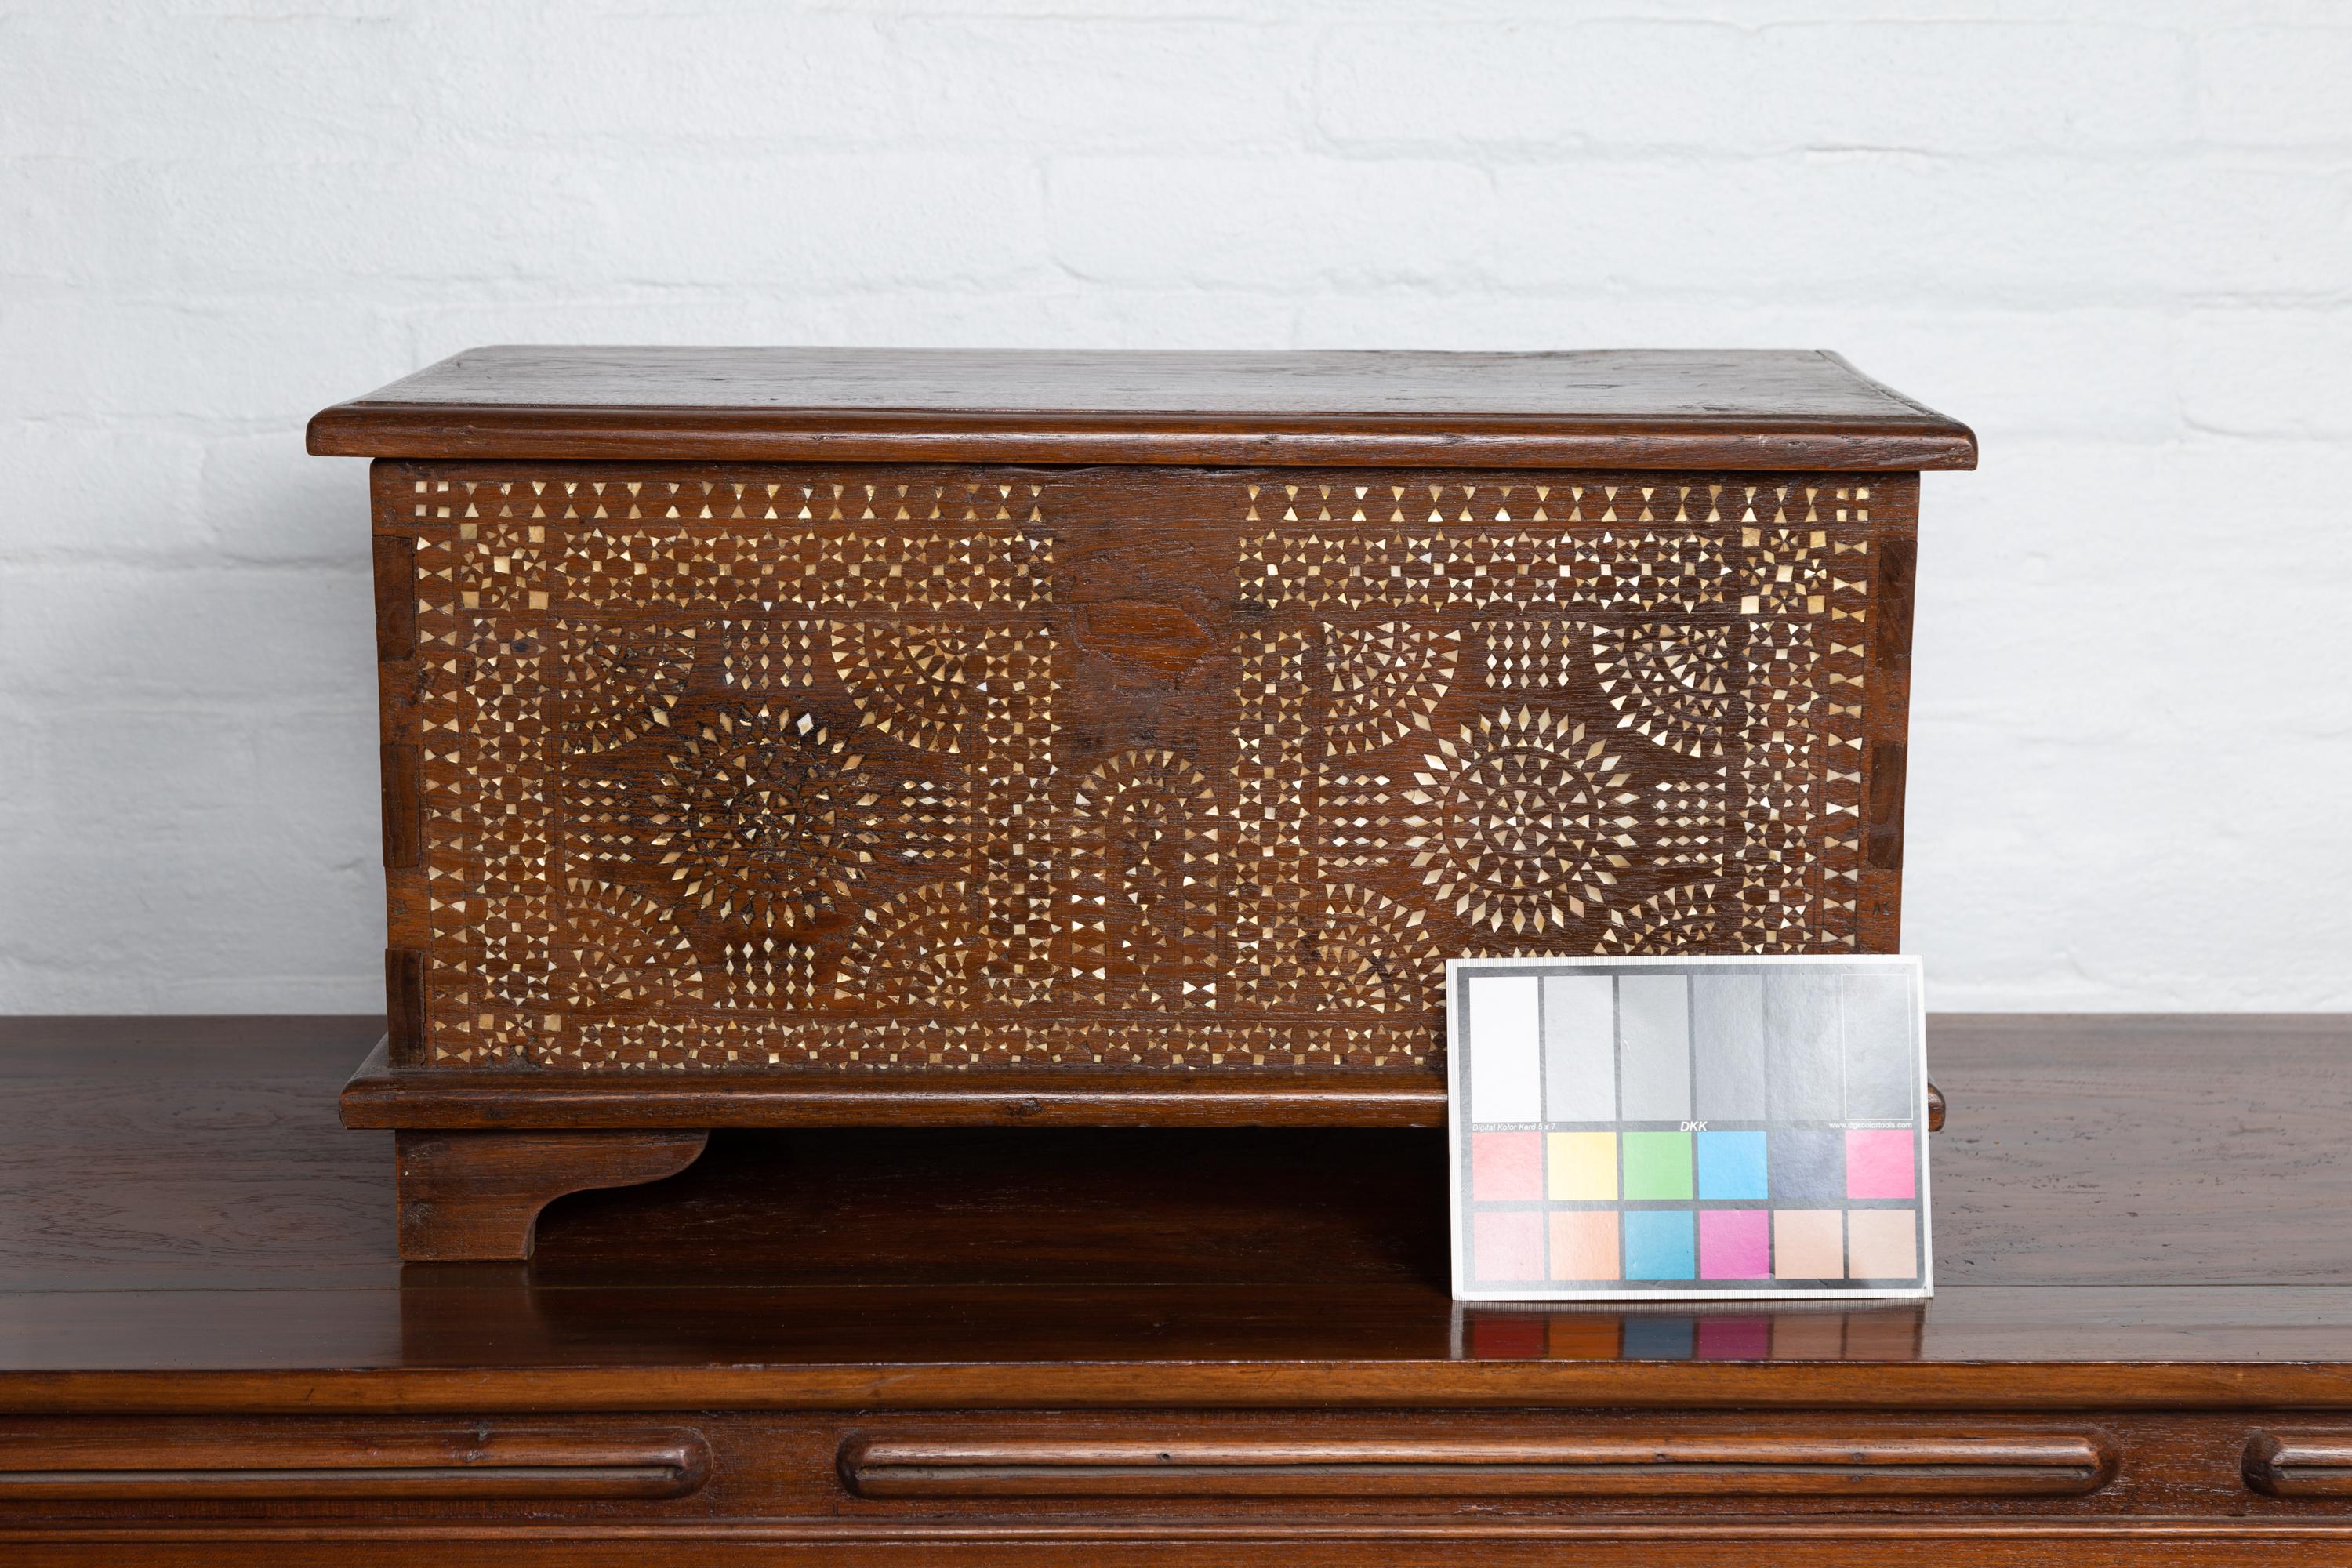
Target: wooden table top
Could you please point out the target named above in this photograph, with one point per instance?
(2137, 1210)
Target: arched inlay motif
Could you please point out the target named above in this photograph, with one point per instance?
(923, 950)
(915, 684)
(1385, 681)
(619, 681)
(1680, 919)
(1673, 683)
(1143, 873)
(622, 948)
(1366, 953)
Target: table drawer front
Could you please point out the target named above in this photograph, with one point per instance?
(1565, 1465)
(769, 769)
(1889, 1463)
(345, 1463)
(846, 1476)
(2301, 1462)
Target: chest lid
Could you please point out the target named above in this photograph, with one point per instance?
(1599, 409)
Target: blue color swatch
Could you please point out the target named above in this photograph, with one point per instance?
(1731, 1165)
(1660, 1244)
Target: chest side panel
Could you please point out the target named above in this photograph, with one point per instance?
(791, 769)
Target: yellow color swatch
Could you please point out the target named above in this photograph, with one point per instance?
(1581, 1166)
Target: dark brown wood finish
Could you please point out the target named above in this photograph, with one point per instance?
(474, 1193)
(474, 1197)
(1770, 410)
(789, 737)
(1849, 1461)
(378, 1095)
(197, 1461)
(2301, 1463)
(1110, 774)
(903, 1345)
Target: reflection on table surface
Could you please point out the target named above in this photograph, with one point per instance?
(1890, 1332)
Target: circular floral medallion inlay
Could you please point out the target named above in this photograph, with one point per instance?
(766, 814)
(1520, 821)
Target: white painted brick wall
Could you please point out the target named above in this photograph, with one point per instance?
(2114, 235)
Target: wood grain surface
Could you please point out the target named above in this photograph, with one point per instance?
(837, 775)
(2182, 1161)
(1758, 408)
(1038, 1345)
(476, 1197)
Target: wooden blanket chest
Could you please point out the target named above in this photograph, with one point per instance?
(780, 736)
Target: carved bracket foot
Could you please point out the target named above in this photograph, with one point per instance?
(476, 1197)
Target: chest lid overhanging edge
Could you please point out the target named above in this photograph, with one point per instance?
(1757, 410)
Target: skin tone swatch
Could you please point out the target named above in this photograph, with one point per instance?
(1687, 1127)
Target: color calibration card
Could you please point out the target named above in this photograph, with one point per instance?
(1687, 1127)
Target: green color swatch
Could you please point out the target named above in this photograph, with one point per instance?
(1658, 1164)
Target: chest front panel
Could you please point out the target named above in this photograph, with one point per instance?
(788, 769)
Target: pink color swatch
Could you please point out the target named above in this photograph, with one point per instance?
(1879, 1165)
(1507, 1166)
(1507, 1246)
(1735, 1244)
